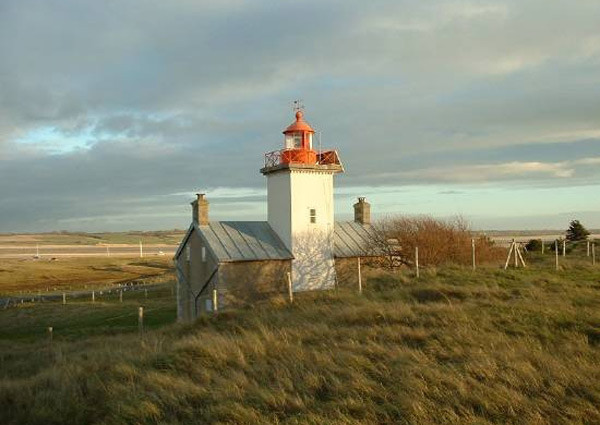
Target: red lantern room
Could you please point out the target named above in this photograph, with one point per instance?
(299, 143)
(298, 149)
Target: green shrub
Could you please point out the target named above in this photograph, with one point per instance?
(534, 245)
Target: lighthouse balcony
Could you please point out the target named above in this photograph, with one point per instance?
(302, 157)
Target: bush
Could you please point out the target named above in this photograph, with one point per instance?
(568, 248)
(439, 241)
(534, 245)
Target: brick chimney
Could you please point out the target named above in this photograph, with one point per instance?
(362, 211)
(200, 210)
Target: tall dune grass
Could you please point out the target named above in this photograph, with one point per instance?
(453, 347)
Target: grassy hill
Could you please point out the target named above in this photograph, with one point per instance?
(455, 346)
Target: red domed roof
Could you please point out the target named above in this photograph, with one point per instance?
(299, 125)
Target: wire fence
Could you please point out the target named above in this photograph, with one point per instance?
(118, 292)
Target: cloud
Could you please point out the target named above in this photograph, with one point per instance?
(106, 101)
(506, 171)
(487, 172)
(588, 161)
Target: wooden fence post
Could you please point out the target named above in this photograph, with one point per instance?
(588, 248)
(593, 254)
(64, 298)
(359, 277)
(473, 253)
(215, 301)
(556, 254)
(121, 295)
(141, 320)
(564, 247)
(50, 331)
(93, 296)
(290, 292)
(512, 246)
(417, 260)
(518, 252)
(542, 241)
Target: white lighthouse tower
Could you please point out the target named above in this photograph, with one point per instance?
(300, 204)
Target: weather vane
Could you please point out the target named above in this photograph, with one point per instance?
(297, 105)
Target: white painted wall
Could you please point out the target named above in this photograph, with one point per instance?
(279, 204)
(291, 196)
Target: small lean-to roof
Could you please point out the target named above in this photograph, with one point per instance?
(232, 241)
(353, 239)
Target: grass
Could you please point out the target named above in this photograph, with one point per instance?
(26, 275)
(80, 318)
(452, 347)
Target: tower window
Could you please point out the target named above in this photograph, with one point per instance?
(297, 140)
(289, 142)
(203, 254)
(313, 215)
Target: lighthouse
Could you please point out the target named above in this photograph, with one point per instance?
(300, 204)
(223, 264)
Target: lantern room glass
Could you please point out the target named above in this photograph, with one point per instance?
(293, 141)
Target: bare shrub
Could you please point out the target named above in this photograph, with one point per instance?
(439, 241)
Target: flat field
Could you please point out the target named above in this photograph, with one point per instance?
(63, 274)
(454, 346)
(167, 237)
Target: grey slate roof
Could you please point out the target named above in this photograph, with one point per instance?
(232, 241)
(243, 241)
(352, 239)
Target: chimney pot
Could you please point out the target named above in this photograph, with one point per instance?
(362, 211)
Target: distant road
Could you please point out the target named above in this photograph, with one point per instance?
(55, 251)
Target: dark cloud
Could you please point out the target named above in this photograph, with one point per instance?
(147, 99)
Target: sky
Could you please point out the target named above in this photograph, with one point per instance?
(114, 113)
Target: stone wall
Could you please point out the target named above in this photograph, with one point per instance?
(346, 270)
(242, 283)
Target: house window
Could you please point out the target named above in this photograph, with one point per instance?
(313, 215)
(208, 305)
(187, 253)
(203, 254)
